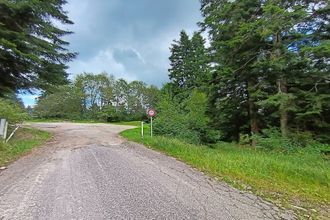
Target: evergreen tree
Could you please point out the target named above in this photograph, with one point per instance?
(312, 90)
(32, 53)
(294, 29)
(189, 64)
(270, 61)
(235, 47)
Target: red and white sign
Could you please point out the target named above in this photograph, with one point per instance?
(151, 112)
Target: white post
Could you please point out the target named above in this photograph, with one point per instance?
(2, 128)
(151, 127)
(142, 129)
(6, 129)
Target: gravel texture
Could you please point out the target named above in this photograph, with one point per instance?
(88, 172)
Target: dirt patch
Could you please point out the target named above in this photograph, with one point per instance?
(23, 134)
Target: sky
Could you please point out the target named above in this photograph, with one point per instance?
(127, 38)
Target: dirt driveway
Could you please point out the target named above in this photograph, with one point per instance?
(87, 172)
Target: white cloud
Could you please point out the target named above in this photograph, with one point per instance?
(107, 29)
(146, 28)
(103, 61)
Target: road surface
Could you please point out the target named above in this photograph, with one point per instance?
(88, 172)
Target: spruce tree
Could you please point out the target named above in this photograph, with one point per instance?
(235, 47)
(296, 30)
(189, 64)
(32, 51)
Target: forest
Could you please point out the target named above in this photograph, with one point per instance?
(247, 97)
(262, 71)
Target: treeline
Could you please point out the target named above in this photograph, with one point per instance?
(265, 74)
(97, 97)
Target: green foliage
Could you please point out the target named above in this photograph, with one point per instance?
(12, 111)
(186, 120)
(129, 123)
(170, 118)
(65, 103)
(32, 51)
(271, 139)
(189, 64)
(108, 113)
(98, 97)
(266, 66)
(23, 141)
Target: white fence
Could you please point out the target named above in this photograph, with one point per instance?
(4, 130)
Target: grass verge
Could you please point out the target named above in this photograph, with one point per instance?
(130, 123)
(297, 181)
(23, 141)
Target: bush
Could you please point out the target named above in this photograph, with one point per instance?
(12, 111)
(271, 139)
(186, 120)
(65, 102)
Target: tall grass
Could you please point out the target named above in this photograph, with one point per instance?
(23, 141)
(301, 178)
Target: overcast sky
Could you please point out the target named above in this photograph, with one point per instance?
(127, 38)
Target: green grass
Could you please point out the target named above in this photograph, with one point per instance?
(130, 123)
(22, 142)
(300, 179)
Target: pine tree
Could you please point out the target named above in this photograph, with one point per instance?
(189, 64)
(32, 53)
(235, 47)
(312, 90)
(294, 29)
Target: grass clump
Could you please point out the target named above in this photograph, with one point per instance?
(24, 140)
(129, 123)
(300, 178)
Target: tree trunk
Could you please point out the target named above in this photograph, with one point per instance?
(282, 87)
(254, 125)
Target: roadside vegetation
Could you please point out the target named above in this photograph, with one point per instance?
(130, 123)
(96, 98)
(297, 180)
(249, 105)
(24, 140)
(32, 56)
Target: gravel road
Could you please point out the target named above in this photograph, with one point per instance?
(88, 172)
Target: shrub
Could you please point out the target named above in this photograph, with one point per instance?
(65, 102)
(186, 120)
(271, 139)
(11, 111)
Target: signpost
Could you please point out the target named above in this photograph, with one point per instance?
(151, 114)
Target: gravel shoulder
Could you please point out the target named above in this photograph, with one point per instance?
(88, 172)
